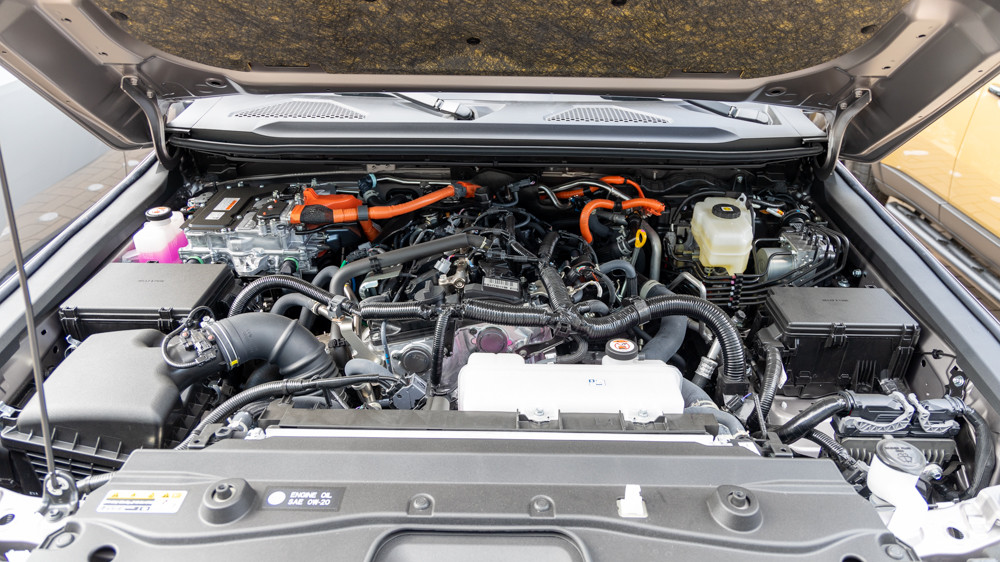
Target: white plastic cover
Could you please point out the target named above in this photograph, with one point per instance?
(641, 390)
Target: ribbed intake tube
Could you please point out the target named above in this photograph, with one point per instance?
(278, 340)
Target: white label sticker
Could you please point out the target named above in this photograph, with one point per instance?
(502, 284)
(142, 501)
(227, 204)
(214, 216)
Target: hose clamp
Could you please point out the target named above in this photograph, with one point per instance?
(642, 309)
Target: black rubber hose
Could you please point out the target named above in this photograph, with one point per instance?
(673, 329)
(623, 266)
(835, 450)
(578, 353)
(322, 279)
(276, 339)
(290, 301)
(655, 251)
(694, 395)
(624, 318)
(286, 282)
(773, 369)
(280, 388)
(403, 255)
(441, 327)
(806, 420)
(985, 461)
(306, 317)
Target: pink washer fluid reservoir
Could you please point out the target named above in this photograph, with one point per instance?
(160, 237)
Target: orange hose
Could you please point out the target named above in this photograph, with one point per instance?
(573, 193)
(618, 180)
(390, 211)
(652, 205)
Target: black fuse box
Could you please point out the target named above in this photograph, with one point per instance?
(836, 338)
(127, 296)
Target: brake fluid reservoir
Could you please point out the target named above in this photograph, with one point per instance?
(723, 229)
(160, 237)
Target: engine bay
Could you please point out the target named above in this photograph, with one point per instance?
(716, 306)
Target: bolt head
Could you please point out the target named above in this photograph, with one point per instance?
(895, 551)
(958, 381)
(421, 502)
(738, 498)
(541, 504)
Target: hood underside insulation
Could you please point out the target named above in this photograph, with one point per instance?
(576, 38)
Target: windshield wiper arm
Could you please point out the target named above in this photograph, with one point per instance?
(448, 107)
(732, 111)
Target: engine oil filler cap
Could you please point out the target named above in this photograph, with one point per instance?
(621, 349)
(159, 214)
(724, 211)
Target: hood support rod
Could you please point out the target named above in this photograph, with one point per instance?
(835, 138)
(147, 102)
(59, 493)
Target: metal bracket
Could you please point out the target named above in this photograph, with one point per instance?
(60, 498)
(147, 102)
(835, 137)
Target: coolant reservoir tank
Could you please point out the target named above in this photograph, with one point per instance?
(723, 229)
(503, 382)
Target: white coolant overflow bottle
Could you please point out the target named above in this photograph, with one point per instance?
(723, 229)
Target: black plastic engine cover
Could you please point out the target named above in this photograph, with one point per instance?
(433, 495)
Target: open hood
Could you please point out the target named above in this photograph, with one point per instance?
(890, 66)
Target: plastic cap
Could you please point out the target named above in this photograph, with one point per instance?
(621, 349)
(159, 214)
(724, 211)
(900, 455)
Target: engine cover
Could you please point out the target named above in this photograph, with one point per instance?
(641, 390)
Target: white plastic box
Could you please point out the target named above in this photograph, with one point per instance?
(641, 390)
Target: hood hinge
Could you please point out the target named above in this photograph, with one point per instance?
(835, 138)
(150, 106)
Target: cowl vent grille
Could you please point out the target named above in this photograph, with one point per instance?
(605, 114)
(302, 109)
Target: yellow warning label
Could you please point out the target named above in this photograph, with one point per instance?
(142, 501)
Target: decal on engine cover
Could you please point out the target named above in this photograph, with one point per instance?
(299, 497)
(142, 501)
